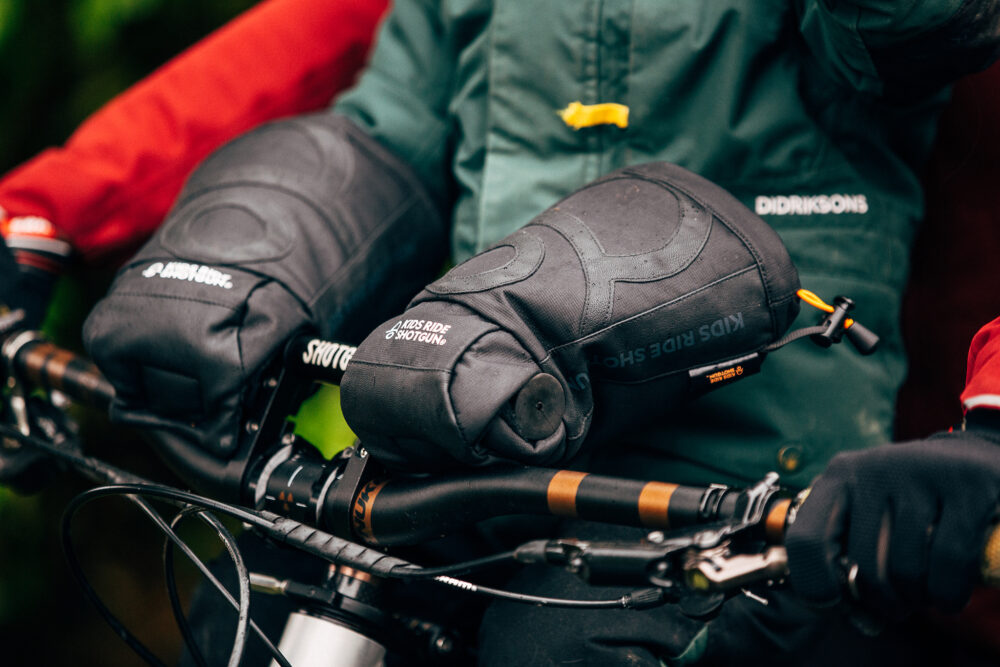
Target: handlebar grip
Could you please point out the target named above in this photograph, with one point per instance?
(49, 366)
(990, 566)
(409, 510)
(779, 517)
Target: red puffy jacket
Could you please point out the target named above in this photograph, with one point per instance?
(114, 180)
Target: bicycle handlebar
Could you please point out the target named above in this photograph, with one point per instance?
(394, 511)
(406, 510)
(48, 366)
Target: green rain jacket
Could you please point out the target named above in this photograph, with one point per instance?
(814, 113)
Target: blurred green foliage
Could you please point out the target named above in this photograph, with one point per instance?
(61, 59)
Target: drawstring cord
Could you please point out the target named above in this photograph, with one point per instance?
(813, 300)
(816, 302)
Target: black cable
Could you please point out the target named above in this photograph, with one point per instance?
(94, 469)
(794, 336)
(99, 471)
(456, 570)
(175, 496)
(175, 601)
(316, 540)
(120, 629)
(74, 565)
(169, 494)
(242, 577)
(410, 571)
(638, 599)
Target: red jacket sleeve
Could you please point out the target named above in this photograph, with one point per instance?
(113, 181)
(951, 292)
(982, 379)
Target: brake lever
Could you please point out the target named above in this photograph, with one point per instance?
(617, 563)
(721, 570)
(704, 561)
(27, 469)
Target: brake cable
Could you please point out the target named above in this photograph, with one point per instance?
(243, 576)
(319, 543)
(134, 493)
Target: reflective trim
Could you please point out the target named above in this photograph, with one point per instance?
(982, 401)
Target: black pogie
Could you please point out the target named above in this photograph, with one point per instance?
(611, 295)
(302, 224)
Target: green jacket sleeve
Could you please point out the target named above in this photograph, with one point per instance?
(402, 97)
(901, 49)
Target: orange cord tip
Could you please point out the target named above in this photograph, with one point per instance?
(813, 300)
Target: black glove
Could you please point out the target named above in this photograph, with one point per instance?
(10, 277)
(581, 325)
(913, 517)
(742, 631)
(306, 223)
(26, 283)
(27, 289)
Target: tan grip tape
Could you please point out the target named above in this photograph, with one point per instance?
(562, 489)
(654, 504)
(777, 517)
(991, 558)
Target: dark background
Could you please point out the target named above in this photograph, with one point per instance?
(59, 61)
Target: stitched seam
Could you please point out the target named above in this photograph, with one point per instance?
(174, 298)
(735, 274)
(361, 362)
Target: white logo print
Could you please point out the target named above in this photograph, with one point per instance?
(394, 330)
(836, 204)
(422, 331)
(325, 354)
(196, 273)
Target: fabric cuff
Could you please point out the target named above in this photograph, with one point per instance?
(35, 242)
(982, 379)
(981, 401)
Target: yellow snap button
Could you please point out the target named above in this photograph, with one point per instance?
(790, 458)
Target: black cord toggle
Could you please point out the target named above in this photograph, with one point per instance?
(833, 328)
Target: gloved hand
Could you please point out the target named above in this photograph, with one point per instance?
(581, 325)
(26, 282)
(10, 277)
(31, 258)
(306, 223)
(913, 517)
(743, 631)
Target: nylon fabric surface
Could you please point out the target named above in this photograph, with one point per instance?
(614, 292)
(256, 249)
